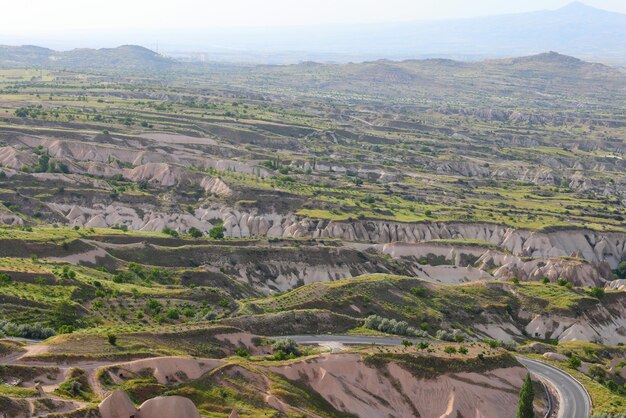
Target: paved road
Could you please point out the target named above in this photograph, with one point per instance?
(573, 397)
(574, 401)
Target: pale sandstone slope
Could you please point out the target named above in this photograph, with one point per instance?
(351, 386)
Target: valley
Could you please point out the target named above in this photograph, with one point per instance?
(166, 225)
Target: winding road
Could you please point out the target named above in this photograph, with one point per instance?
(574, 400)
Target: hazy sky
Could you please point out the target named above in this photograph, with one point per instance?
(25, 18)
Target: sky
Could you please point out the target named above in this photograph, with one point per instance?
(26, 18)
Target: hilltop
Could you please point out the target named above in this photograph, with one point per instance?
(125, 57)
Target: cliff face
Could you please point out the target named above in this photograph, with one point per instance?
(592, 246)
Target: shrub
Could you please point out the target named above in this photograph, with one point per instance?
(5, 279)
(391, 326)
(597, 292)
(491, 343)
(620, 271)
(574, 362)
(173, 314)
(169, 231)
(242, 352)
(287, 346)
(453, 335)
(195, 232)
(207, 315)
(449, 350)
(153, 306)
(217, 232)
(112, 338)
(418, 291)
(31, 331)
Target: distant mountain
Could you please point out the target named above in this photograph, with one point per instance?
(126, 57)
(539, 80)
(576, 29)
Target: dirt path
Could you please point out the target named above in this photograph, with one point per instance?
(90, 367)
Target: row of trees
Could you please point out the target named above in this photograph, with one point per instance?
(392, 326)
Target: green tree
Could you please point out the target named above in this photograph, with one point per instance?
(217, 232)
(450, 350)
(112, 339)
(64, 314)
(195, 232)
(526, 396)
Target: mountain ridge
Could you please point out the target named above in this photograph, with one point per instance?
(125, 57)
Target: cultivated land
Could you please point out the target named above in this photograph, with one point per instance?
(157, 224)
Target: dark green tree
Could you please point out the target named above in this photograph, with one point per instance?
(526, 396)
(621, 270)
(217, 232)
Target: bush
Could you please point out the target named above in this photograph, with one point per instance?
(620, 271)
(597, 292)
(112, 338)
(453, 335)
(574, 362)
(418, 291)
(206, 315)
(391, 326)
(169, 231)
(30, 331)
(285, 348)
(217, 232)
(242, 352)
(449, 350)
(195, 232)
(491, 343)
(173, 314)
(5, 279)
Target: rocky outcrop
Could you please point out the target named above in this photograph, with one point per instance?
(168, 407)
(351, 386)
(166, 175)
(577, 271)
(604, 323)
(16, 159)
(555, 357)
(604, 250)
(166, 370)
(119, 405)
